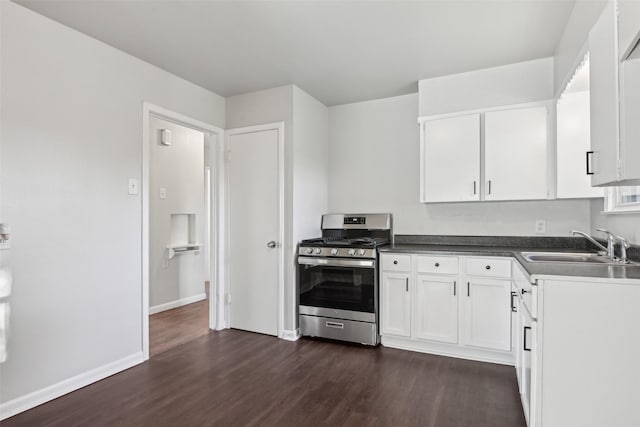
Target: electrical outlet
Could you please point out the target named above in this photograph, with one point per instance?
(541, 226)
(163, 193)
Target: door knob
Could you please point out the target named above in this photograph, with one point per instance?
(271, 244)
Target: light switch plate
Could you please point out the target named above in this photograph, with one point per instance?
(541, 226)
(133, 186)
(163, 193)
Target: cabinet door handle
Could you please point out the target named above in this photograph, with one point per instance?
(395, 262)
(513, 306)
(468, 290)
(474, 188)
(524, 339)
(406, 288)
(437, 264)
(488, 267)
(589, 158)
(454, 288)
(489, 192)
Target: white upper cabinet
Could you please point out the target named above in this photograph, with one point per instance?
(516, 154)
(451, 159)
(615, 98)
(514, 143)
(573, 139)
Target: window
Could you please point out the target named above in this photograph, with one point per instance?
(622, 199)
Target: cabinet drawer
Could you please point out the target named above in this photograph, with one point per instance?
(395, 262)
(437, 264)
(489, 267)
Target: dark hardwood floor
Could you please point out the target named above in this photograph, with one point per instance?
(171, 328)
(236, 378)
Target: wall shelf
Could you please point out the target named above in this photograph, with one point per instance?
(181, 249)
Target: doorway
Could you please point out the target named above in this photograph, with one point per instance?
(180, 228)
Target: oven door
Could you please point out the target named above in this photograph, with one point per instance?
(336, 287)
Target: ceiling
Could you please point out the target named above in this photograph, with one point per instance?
(338, 51)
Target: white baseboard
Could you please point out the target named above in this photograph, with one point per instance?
(38, 397)
(449, 350)
(290, 335)
(177, 303)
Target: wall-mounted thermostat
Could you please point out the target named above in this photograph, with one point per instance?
(165, 137)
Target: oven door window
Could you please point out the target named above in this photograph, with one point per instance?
(343, 288)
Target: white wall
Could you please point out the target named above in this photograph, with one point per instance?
(310, 169)
(574, 39)
(179, 169)
(492, 87)
(71, 137)
(374, 167)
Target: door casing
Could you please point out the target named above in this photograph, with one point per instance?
(214, 135)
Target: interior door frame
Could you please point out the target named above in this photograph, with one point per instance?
(279, 126)
(215, 136)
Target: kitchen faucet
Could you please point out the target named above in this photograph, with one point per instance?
(602, 250)
(611, 241)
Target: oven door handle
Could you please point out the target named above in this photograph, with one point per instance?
(362, 263)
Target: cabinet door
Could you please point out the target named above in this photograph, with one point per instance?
(436, 308)
(515, 334)
(488, 314)
(527, 349)
(516, 154)
(573, 142)
(603, 89)
(451, 159)
(395, 304)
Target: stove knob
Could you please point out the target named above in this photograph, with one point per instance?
(309, 250)
(352, 252)
(318, 251)
(334, 251)
(361, 252)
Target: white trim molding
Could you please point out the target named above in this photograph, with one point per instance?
(38, 397)
(290, 335)
(177, 303)
(215, 135)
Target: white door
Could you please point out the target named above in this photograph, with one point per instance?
(254, 230)
(488, 314)
(395, 305)
(451, 163)
(436, 309)
(516, 154)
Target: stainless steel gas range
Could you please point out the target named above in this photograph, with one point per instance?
(338, 278)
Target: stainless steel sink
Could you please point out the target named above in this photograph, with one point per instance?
(584, 257)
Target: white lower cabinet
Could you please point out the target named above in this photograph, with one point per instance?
(435, 311)
(487, 321)
(581, 352)
(395, 304)
(451, 312)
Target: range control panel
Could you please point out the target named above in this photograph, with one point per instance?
(354, 220)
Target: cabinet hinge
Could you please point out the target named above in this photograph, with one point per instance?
(619, 164)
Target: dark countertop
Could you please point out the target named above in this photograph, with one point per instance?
(512, 247)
